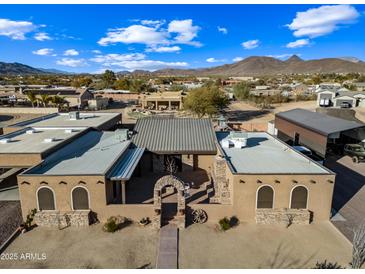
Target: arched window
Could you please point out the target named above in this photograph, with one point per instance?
(299, 197)
(46, 199)
(80, 198)
(265, 197)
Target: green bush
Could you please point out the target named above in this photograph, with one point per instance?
(224, 224)
(111, 225)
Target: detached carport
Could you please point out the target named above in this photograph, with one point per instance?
(319, 132)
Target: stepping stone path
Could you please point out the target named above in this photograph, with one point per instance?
(167, 257)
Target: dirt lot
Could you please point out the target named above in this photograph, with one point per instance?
(245, 112)
(262, 246)
(131, 247)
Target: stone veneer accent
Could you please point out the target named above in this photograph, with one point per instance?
(64, 219)
(169, 180)
(222, 186)
(282, 216)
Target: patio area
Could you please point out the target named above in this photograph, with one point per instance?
(140, 189)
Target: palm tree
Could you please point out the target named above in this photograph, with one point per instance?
(58, 101)
(32, 98)
(44, 99)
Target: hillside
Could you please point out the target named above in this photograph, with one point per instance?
(17, 68)
(262, 65)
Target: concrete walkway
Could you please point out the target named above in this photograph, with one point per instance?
(168, 249)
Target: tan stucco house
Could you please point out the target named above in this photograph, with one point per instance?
(178, 162)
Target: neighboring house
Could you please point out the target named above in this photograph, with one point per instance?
(98, 103)
(319, 132)
(332, 98)
(162, 101)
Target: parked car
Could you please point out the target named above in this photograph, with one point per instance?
(355, 151)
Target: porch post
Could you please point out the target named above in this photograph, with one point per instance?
(123, 192)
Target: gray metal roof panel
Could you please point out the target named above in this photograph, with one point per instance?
(126, 165)
(175, 135)
(319, 122)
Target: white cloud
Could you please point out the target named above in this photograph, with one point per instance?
(251, 44)
(185, 30)
(44, 52)
(15, 30)
(151, 33)
(71, 52)
(96, 51)
(42, 36)
(70, 62)
(153, 23)
(323, 20)
(134, 61)
(222, 30)
(298, 43)
(135, 34)
(163, 49)
(214, 60)
(237, 59)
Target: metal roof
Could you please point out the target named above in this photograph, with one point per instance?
(126, 165)
(321, 123)
(168, 135)
(264, 154)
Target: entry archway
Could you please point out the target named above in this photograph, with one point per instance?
(169, 180)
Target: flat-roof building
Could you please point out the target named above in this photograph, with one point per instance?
(317, 131)
(97, 120)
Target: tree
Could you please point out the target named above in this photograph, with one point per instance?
(205, 101)
(123, 84)
(82, 82)
(44, 99)
(32, 98)
(241, 91)
(108, 78)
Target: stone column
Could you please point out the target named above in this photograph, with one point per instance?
(223, 188)
(169, 105)
(156, 105)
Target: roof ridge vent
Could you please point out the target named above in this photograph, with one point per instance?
(31, 131)
(69, 130)
(49, 140)
(5, 140)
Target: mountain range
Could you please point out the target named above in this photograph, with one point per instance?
(251, 66)
(263, 65)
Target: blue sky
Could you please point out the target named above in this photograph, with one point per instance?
(91, 38)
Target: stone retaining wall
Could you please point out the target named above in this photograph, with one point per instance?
(282, 216)
(60, 220)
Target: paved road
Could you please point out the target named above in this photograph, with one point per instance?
(349, 194)
(168, 249)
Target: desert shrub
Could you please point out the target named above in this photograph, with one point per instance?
(224, 224)
(111, 225)
(327, 265)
